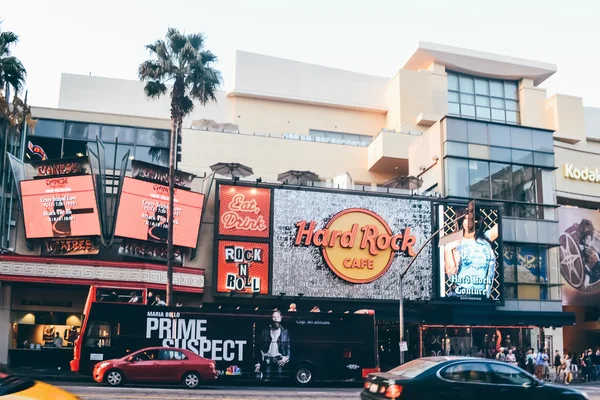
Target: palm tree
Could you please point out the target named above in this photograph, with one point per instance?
(12, 75)
(180, 60)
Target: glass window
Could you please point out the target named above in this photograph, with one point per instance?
(153, 155)
(482, 86)
(512, 105)
(467, 98)
(501, 179)
(510, 291)
(125, 134)
(482, 101)
(500, 154)
(512, 117)
(174, 355)
(466, 84)
(506, 375)
(522, 157)
(497, 88)
(146, 355)
(543, 159)
(499, 135)
(524, 184)
(42, 148)
(49, 128)
(413, 368)
(467, 111)
(456, 172)
(483, 113)
(110, 155)
(457, 149)
(468, 372)
(521, 138)
(479, 179)
(528, 268)
(76, 130)
(453, 109)
(511, 90)
(479, 151)
(498, 115)
(477, 132)
(542, 141)
(456, 130)
(74, 148)
(497, 103)
(452, 81)
(152, 137)
(453, 97)
(510, 267)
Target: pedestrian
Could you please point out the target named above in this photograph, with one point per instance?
(158, 301)
(500, 356)
(557, 364)
(539, 364)
(530, 362)
(511, 358)
(596, 363)
(546, 359)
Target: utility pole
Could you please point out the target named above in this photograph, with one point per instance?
(471, 228)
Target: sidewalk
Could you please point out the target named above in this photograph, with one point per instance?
(50, 374)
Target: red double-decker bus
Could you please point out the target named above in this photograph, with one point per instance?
(307, 347)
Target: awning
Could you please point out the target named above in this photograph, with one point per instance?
(514, 318)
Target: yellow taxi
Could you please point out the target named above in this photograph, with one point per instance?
(14, 387)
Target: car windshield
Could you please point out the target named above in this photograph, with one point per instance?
(413, 368)
(10, 383)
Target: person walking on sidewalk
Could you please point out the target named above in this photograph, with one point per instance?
(557, 364)
(530, 362)
(539, 364)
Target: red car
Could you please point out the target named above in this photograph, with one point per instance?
(157, 364)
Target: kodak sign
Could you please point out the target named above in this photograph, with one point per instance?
(357, 244)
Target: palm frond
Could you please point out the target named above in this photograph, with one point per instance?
(12, 72)
(6, 40)
(159, 48)
(155, 89)
(203, 82)
(207, 57)
(153, 70)
(176, 40)
(187, 55)
(196, 40)
(186, 105)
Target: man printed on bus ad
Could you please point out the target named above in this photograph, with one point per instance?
(274, 347)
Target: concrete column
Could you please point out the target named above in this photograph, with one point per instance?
(5, 325)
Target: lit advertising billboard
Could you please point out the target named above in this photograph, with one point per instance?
(579, 255)
(59, 207)
(244, 211)
(469, 262)
(143, 210)
(243, 267)
(348, 245)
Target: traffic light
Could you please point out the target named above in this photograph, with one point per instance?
(471, 217)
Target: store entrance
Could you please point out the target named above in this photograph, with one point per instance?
(475, 341)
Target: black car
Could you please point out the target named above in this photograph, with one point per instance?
(462, 378)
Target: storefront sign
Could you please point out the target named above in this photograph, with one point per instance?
(357, 244)
(469, 265)
(60, 207)
(62, 167)
(587, 174)
(46, 303)
(244, 211)
(243, 267)
(579, 255)
(148, 251)
(157, 174)
(349, 245)
(70, 247)
(143, 209)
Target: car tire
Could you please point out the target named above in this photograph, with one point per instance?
(114, 377)
(191, 380)
(303, 375)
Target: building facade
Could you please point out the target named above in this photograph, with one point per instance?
(467, 124)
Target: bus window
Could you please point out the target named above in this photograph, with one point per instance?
(114, 295)
(98, 335)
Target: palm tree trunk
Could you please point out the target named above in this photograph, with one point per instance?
(175, 121)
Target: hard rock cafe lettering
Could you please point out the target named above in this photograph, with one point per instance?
(243, 215)
(357, 244)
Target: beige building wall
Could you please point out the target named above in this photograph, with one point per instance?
(277, 117)
(532, 104)
(565, 116)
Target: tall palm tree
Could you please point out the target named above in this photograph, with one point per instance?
(12, 74)
(182, 61)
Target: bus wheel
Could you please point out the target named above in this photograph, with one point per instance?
(114, 378)
(303, 375)
(191, 380)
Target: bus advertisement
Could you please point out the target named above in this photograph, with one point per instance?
(327, 346)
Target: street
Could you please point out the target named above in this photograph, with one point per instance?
(99, 392)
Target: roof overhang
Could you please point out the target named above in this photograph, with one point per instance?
(479, 63)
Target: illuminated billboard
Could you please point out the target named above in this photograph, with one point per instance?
(60, 207)
(143, 211)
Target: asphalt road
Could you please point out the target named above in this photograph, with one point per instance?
(101, 392)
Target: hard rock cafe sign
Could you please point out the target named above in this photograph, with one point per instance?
(244, 211)
(357, 244)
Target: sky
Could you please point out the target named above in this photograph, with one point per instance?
(107, 38)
